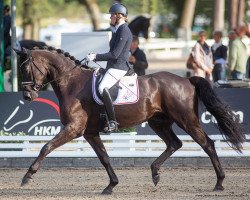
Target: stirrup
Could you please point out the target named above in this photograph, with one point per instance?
(111, 126)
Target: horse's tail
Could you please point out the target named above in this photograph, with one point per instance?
(228, 123)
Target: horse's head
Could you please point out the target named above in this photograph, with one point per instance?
(145, 27)
(140, 25)
(32, 73)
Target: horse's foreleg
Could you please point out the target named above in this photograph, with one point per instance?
(97, 145)
(164, 131)
(67, 134)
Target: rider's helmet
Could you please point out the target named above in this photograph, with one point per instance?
(118, 8)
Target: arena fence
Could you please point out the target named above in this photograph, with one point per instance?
(117, 145)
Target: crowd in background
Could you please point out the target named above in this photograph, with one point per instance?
(220, 62)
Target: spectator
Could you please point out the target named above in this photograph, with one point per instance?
(238, 55)
(138, 58)
(219, 52)
(203, 57)
(7, 26)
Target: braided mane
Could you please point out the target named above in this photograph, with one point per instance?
(60, 51)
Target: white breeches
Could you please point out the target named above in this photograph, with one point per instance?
(110, 78)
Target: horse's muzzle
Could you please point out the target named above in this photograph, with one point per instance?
(29, 95)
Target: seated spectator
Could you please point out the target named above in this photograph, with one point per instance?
(138, 58)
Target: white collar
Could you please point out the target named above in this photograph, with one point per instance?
(118, 25)
(216, 45)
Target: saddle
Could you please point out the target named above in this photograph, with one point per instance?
(125, 91)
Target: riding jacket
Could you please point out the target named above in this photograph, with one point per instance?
(118, 55)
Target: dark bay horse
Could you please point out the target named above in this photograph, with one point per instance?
(165, 99)
(140, 26)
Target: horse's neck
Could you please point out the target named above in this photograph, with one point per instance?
(68, 79)
(65, 76)
(60, 68)
(136, 26)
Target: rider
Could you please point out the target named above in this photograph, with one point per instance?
(117, 57)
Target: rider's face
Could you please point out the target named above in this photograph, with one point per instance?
(113, 18)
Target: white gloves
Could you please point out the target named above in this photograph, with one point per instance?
(90, 57)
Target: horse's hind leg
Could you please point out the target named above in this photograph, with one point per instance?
(207, 145)
(97, 145)
(67, 134)
(162, 127)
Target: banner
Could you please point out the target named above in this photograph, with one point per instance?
(42, 116)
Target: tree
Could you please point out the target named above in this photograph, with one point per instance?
(219, 13)
(187, 19)
(237, 13)
(94, 12)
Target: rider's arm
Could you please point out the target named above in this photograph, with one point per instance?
(120, 41)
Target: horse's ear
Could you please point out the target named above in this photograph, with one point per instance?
(26, 51)
(18, 52)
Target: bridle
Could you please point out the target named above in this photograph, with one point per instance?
(33, 82)
(35, 86)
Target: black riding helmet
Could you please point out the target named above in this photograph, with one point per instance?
(118, 8)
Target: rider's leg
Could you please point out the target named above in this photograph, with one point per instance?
(112, 125)
(110, 78)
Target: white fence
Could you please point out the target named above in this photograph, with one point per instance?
(162, 48)
(117, 145)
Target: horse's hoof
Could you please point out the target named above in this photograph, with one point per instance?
(156, 179)
(25, 181)
(218, 188)
(107, 191)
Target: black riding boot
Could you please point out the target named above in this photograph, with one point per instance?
(107, 100)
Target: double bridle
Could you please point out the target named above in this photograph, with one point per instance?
(33, 82)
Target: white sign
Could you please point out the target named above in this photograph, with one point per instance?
(81, 43)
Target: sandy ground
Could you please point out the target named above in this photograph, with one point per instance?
(135, 183)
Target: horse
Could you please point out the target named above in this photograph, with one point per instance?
(165, 99)
(139, 26)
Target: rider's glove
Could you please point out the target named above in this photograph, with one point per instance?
(90, 57)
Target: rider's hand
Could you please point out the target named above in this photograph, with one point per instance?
(132, 59)
(90, 57)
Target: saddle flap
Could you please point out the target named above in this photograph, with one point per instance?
(128, 91)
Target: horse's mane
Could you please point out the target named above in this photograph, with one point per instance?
(138, 18)
(61, 52)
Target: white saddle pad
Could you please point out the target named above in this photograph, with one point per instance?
(128, 90)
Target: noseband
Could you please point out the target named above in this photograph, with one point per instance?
(31, 83)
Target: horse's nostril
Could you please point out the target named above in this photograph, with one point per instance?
(27, 96)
